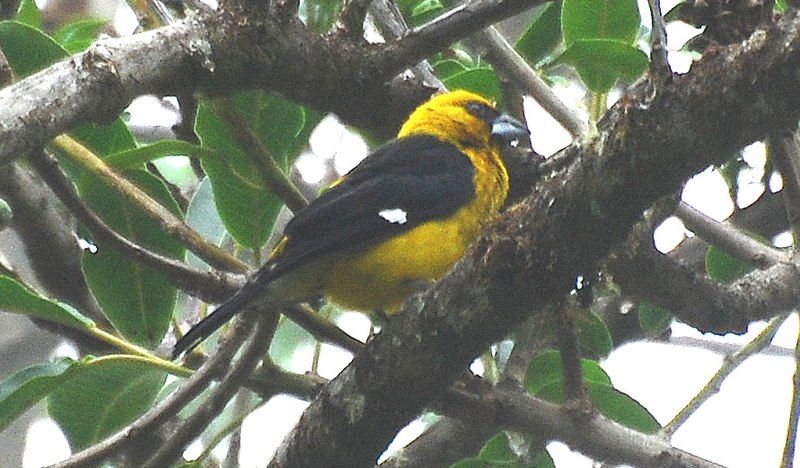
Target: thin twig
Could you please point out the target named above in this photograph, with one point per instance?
(191, 428)
(509, 63)
(171, 405)
(730, 239)
(321, 328)
(729, 364)
(231, 460)
(726, 349)
(574, 389)
(392, 25)
(512, 408)
(146, 17)
(213, 255)
(174, 190)
(273, 177)
(794, 414)
(269, 380)
(211, 286)
(351, 19)
(659, 62)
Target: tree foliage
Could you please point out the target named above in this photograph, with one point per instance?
(170, 239)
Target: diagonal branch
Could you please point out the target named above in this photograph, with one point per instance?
(604, 440)
(211, 286)
(222, 52)
(648, 144)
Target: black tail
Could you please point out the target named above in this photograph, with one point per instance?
(218, 318)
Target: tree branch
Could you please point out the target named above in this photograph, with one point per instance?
(533, 254)
(237, 373)
(508, 62)
(212, 286)
(221, 52)
(170, 406)
(598, 437)
(730, 239)
(171, 223)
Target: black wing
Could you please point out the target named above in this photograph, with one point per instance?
(420, 175)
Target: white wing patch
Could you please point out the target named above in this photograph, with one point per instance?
(394, 215)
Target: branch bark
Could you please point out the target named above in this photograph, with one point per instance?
(234, 49)
(648, 144)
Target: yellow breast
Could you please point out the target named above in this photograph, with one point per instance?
(380, 277)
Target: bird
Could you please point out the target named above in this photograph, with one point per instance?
(404, 215)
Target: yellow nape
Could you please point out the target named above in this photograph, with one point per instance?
(380, 277)
(447, 117)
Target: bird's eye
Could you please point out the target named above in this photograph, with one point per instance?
(482, 111)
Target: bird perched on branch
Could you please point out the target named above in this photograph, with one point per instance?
(405, 214)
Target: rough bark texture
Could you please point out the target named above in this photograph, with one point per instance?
(648, 144)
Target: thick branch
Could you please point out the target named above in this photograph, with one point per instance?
(222, 51)
(596, 436)
(648, 144)
(703, 303)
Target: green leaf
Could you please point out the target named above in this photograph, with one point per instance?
(600, 62)
(594, 337)
(674, 14)
(29, 14)
(202, 216)
(16, 298)
(600, 19)
(136, 157)
(447, 68)
(612, 403)
(138, 301)
(724, 267)
(497, 449)
(28, 386)
(79, 35)
(106, 139)
(289, 338)
(545, 369)
(419, 12)
(425, 11)
(27, 49)
(497, 453)
(654, 319)
(481, 80)
(110, 393)
(471, 463)
(543, 34)
(544, 460)
(780, 6)
(319, 15)
(620, 407)
(245, 206)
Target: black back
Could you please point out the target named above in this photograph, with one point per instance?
(421, 175)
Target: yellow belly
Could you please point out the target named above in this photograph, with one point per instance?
(382, 276)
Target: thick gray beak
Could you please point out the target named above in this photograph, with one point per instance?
(508, 129)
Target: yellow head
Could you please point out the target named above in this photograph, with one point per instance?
(464, 119)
